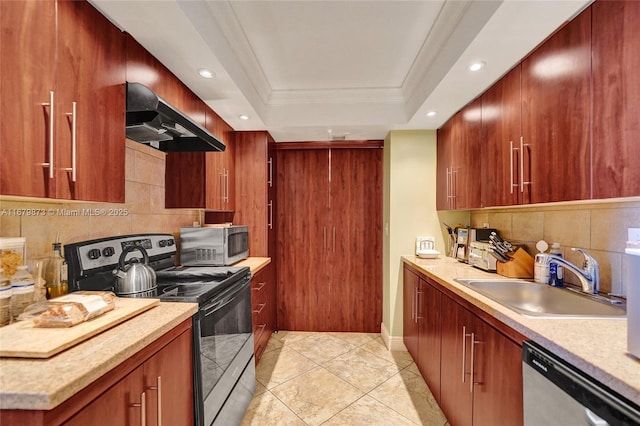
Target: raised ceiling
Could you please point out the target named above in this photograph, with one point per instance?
(305, 70)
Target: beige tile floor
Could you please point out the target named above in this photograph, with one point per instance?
(339, 379)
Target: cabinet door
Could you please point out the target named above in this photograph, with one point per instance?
(410, 287)
(455, 387)
(466, 158)
(303, 279)
(443, 167)
(220, 179)
(354, 239)
(429, 336)
(91, 75)
(168, 383)
(272, 205)
(556, 105)
(501, 132)
(616, 91)
(120, 405)
(28, 68)
(497, 392)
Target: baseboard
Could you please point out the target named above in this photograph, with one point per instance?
(393, 343)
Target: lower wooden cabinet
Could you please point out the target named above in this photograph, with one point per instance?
(473, 370)
(263, 304)
(160, 391)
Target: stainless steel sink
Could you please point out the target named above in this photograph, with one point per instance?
(543, 301)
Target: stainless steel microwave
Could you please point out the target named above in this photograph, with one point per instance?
(213, 246)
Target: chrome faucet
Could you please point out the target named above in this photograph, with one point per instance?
(589, 277)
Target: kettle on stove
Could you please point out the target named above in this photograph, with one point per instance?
(135, 278)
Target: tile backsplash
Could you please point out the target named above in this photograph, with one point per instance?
(598, 227)
(142, 212)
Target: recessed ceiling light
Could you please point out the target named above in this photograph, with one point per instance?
(477, 66)
(431, 113)
(243, 117)
(206, 73)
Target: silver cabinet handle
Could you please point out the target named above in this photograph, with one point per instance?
(454, 184)
(334, 239)
(260, 309)
(221, 180)
(270, 223)
(143, 408)
(464, 353)
(74, 140)
(226, 185)
(324, 238)
(448, 194)
(511, 184)
(473, 344)
(522, 182)
(50, 104)
(414, 305)
(270, 180)
(418, 297)
(260, 286)
(158, 388)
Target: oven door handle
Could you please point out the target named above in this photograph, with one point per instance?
(225, 298)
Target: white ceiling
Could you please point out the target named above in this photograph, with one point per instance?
(304, 69)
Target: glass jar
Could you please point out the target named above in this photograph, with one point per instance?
(22, 288)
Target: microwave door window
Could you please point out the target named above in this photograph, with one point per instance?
(237, 243)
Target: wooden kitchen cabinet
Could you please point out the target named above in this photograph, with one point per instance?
(263, 304)
(458, 160)
(329, 238)
(616, 92)
(164, 382)
(410, 287)
(501, 131)
(255, 190)
(203, 179)
(481, 375)
(64, 83)
(556, 114)
(422, 325)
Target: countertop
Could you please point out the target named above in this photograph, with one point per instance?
(596, 346)
(43, 384)
(254, 263)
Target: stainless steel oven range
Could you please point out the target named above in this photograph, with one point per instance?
(223, 360)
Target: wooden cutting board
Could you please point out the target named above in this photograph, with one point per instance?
(24, 340)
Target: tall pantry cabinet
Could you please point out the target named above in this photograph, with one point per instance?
(329, 237)
(62, 99)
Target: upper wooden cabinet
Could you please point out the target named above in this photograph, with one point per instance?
(501, 129)
(255, 189)
(63, 76)
(616, 99)
(458, 162)
(203, 179)
(555, 163)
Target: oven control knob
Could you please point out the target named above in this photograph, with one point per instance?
(162, 243)
(108, 251)
(94, 254)
(170, 242)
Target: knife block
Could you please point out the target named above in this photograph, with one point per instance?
(520, 265)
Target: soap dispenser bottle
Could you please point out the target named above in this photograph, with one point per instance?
(555, 270)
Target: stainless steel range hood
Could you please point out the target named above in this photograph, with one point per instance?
(153, 121)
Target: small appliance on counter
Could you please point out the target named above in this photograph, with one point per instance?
(425, 248)
(214, 245)
(480, 256)
(465, 236)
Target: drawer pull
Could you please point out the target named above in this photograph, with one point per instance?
(143, 409)
(260, 309)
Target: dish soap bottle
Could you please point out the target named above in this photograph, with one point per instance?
(56, 273)
(555, 271)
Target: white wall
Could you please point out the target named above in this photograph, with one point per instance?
(409, 211)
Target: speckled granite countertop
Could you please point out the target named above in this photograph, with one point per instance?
(43, 384)
(597, 347)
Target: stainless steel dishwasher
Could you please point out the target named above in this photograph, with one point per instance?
(558, 394)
